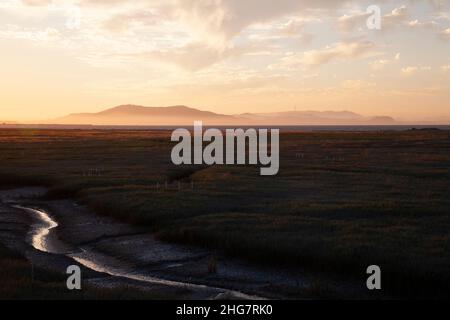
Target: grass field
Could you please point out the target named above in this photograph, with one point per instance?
(341, 201)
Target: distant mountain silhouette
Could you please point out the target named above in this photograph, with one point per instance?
(317, 118)
(139, 115)
(181, 115)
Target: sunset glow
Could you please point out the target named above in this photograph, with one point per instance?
(226, 56)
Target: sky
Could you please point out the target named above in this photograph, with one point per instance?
(227, 56)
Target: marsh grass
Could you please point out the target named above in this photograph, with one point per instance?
(341, 201)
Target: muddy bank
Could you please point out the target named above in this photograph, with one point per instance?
(55, 234)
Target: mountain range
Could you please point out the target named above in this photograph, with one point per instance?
(134, 115)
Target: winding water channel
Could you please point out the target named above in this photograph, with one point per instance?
(40, 239)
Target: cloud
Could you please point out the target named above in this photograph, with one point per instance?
(37, 2)
(339, 51)
(196, 34)
(41, 37)
(412, 70)
(293, 27)
(358, 85)
(350, 22)
(218, 21)
(422, 25)
(382, 63)
(379, 64)
(445, 34)
(409, 70)
(396, 17)
(446, 68)
(290, 29)
(122, 21)
(191, 57)
(442, 15)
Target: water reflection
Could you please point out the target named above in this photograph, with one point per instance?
(41, 229)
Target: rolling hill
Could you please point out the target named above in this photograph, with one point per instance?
(134, 115)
